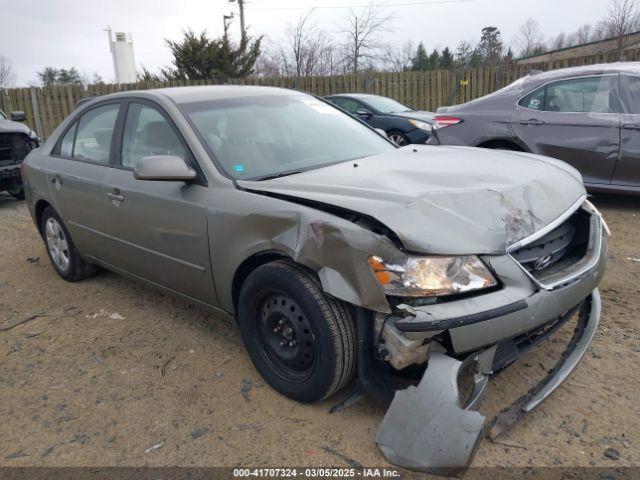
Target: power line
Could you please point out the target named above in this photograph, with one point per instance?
(379, 5)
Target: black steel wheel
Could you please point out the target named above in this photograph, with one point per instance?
(300, 340)
(288, 343)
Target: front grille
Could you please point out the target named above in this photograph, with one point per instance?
(557, 250)
(5, 146)
(14, 147)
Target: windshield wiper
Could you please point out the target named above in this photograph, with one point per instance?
(276, 175)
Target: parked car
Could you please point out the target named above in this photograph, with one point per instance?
(16, 141)
(587, 116)
(402, 124)
(339, 254)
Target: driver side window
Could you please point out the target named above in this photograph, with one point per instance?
(349, 105)
(148, 133)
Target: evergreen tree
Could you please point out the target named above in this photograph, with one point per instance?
(446, 59)
(434, 60)
(420, 60)
(197, 57)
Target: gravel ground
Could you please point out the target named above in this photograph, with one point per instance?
(108, 372)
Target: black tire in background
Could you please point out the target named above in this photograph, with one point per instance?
(18, 194)
(300, 340)
(397, 137)
(57, 241)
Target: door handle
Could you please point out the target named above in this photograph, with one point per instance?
(631, 126)
(532, 121)
(116, 197)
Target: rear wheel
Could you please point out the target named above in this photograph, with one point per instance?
(398, 138)
(62, 252)
(300, 340)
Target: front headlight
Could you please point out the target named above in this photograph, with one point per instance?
(426, 126)
(431, 276)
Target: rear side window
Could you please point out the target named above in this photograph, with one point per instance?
(586, 95)
(94, 133)
(535, 100)
(631, 89)
(148, 133)
(581, 95)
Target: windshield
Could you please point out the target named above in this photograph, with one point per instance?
(386, 105)
(269, 135)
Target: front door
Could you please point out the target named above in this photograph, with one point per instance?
(574, 120)
(159, 228)
(76, 171)
(628, 169)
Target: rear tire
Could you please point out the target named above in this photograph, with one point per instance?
(300, 340)
(62, 252)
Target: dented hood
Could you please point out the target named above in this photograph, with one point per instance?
(443, 200)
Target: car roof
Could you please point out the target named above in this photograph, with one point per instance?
(362, 96)
(202, 93)
(598, 69)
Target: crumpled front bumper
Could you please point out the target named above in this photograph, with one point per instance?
(428, 428)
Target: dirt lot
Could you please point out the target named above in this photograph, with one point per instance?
(109, 372)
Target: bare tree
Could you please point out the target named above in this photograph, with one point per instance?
(306, 50)
(398, 59)
(560, 41)
(361, 32)
(623, 18)
(7, 77)
(528, 41)
(582, 35)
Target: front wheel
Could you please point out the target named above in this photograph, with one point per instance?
(300, 340)
(398, 138)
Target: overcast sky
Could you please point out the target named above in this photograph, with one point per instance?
(65, 33)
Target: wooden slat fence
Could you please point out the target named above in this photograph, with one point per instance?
(426, 90)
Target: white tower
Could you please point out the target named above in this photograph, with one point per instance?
(124, 64)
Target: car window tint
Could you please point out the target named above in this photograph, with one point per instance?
(148, 133)
(588, 95)
(632, 89)
(350, 105)
(66, 144)
(534, 100)
(95, 129)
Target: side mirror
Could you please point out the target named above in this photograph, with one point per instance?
(18, 116)
(362, 112)
(166, 168)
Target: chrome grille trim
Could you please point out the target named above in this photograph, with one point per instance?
(595, 245)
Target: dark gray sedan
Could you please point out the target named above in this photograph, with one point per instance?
(587, 116)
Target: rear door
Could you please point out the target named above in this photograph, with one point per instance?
(76, 172)
(575, 120)
(628, 169)
(158, 228)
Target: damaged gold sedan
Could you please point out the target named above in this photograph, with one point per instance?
(344, 259)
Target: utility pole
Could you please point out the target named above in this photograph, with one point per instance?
(243, 32)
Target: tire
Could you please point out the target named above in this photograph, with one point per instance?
(281, 302)
(62, 252)
(18, 195)
(397, 137)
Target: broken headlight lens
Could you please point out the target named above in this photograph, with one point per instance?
(431, 276)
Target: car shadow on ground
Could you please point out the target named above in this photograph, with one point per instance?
(6, 200)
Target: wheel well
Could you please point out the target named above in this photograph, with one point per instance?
(501, 144)
(39, 210)
(248, 266)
